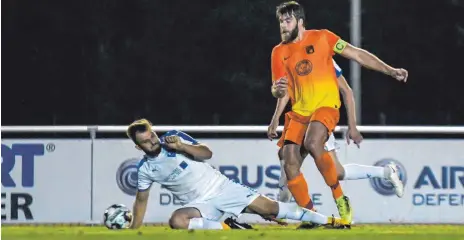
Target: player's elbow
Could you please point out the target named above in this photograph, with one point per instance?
(141, 197)
(274, 92)
(203, 153)
(207, 154)
(278, 94)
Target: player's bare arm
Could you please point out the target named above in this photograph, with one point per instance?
(279, 79)
(369, 60)
(348, 101)
(139, 208)
(280, 107)
(197, 151)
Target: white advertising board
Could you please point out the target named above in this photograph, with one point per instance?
(431, 196)
(434, 175)
(45, 181)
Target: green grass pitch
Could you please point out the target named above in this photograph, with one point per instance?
(264, 232)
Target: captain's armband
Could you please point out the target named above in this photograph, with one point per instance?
(340, 46)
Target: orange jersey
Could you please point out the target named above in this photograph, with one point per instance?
(309, 68)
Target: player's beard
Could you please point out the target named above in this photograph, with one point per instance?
(153, 151)
(293, 35)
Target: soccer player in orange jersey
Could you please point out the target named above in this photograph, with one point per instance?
(344, 172)
(302, 67)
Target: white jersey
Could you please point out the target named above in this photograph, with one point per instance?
(331, 144)
(187, 179)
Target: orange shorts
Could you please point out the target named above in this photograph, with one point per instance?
(295, 125)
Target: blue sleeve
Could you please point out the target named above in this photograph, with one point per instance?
(182, 135)
(338, 70)
(187, 137)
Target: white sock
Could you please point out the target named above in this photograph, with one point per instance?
(356, 171)
(284, 193)
(294, 212)
(201, 223)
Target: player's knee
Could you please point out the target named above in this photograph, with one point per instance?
(270, 209)
(292, 169)
(313, 145)
(179, 221)
(290, 165)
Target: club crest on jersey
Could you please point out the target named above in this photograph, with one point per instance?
(310, 49)
(304, 67)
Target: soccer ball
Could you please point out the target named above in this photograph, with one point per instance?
(117, 216)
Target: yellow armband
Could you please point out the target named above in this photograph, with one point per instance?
(339, 46)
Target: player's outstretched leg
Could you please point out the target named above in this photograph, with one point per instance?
(314, 142)
(268, 208)
(190, 218)
(357, 171)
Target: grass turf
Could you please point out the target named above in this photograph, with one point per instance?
(371, 232)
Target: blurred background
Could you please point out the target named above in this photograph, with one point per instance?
(183, 63)
(177, 62)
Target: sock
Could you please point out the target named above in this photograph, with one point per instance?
(295, 212)
(299, 189)
(201, 223)
(326, 166)
(284, 194)
(355, 171)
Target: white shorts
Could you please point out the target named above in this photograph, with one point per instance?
(331, 145)
(232, 198)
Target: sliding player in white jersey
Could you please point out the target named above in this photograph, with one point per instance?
(176, 161)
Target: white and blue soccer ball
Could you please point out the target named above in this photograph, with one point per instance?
(117, 216)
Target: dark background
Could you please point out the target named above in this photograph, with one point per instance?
(107, 62)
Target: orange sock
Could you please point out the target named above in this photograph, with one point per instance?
(299, 189)
(225, 226)
(326, 166)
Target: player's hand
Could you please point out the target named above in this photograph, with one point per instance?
(355, 135)
(173, 142)
(280, 87)
(399, 74)
(272, 130)
(281, 84)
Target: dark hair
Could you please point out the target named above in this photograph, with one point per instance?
(141, 125)
(292, 8)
